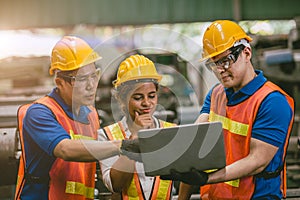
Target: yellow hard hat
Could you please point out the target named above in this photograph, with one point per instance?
(220, 36)
(71, 53)
(136, 67)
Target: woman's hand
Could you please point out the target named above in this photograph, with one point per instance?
(141, 121)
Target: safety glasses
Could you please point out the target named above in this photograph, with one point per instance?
(226, 61)
(81, 80)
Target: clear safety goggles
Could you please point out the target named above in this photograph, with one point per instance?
(226, 61)
(82, 80)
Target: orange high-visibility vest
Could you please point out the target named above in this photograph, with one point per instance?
(68, 180)
(237, 124)
(161, 188)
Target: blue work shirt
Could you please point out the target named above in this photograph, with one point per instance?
(270, 126)
(42, 133)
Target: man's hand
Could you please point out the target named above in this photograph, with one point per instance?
(193, 177)
(131, 149)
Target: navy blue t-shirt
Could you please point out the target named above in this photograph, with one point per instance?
(270, 126)
(42, 133)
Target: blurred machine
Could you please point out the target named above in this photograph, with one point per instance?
(24, 80)
(279, 57)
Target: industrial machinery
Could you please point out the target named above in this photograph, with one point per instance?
(24, 80)
(279, 58)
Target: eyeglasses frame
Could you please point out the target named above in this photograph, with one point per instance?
(72, 79)
(225, 61)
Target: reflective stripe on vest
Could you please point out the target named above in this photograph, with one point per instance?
(70, 180)
(79, 137)
(230, 125)
(161, 188)
(237, 123)
(79, 188)
(233, 127)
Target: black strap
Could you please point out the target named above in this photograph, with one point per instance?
(36, 179)
(267, 175)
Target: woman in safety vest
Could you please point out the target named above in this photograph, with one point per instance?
(136, 91)
(256, 131)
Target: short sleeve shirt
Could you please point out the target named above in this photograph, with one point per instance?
(270, 126)
(42, 133)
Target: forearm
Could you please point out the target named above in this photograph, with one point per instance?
(259, 157)
(121, 173)
(231, 172)
(86, 150)
(202, 118)
(185, 191)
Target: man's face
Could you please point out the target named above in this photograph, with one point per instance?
(232, 73)
(80, 87)
(85, 85)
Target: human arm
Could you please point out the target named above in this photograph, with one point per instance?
(107, 175)
(269, 133)
(268, 138)
(123, 169)
(111, 175)
(118, 171)
(121, 173)
(202, 118)
(91, 150)
(86, 150)
(141, 121)
(261, 153)
(186, 190)
(42, 128)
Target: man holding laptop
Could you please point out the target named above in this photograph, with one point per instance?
(256, 132)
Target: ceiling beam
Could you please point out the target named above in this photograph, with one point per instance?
(23, 14)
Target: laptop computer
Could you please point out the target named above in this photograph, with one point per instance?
(182, 147)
